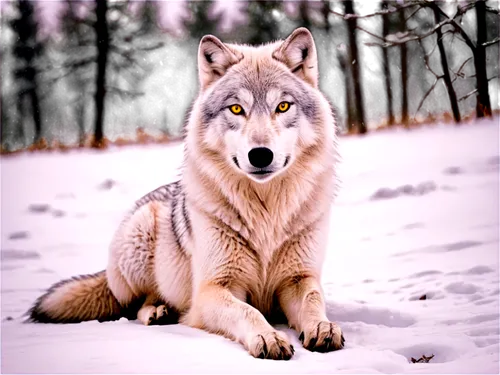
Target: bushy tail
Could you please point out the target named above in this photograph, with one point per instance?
(78, 299)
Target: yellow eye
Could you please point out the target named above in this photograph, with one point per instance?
(236, 109)
(283, 107)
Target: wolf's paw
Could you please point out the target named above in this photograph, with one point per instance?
(271, 345)
(152, 315)
(322, 337)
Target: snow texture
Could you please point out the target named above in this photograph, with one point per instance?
(417, 215)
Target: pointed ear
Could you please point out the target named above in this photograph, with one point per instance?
(214, 59)
(298, 52)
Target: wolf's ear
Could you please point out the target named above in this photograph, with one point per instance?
(214, 58)
(298, 52)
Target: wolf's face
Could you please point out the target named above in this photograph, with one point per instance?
(259, 105)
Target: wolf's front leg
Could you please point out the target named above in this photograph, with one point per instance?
(217, 310)
(224, 269)
(301, 299)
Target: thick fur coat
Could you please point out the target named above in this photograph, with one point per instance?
(239, 241)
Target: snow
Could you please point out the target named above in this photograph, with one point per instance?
(399, 37)
(433, 231)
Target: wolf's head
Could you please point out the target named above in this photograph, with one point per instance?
(259, 108)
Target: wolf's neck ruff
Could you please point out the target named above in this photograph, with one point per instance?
(243, 233)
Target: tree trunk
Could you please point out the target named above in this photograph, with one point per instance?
(404, 79)
(349, 105)
(37, 120)
(483, 105)
(388, 78)
(353, 110)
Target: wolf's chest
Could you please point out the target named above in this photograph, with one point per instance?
(266, 235)
(261, 293)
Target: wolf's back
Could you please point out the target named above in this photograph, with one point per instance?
(78, 299)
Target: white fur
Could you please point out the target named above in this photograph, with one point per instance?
(227, 248)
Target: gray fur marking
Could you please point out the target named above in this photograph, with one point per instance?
(259, 85)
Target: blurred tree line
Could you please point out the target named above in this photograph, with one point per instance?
(113, 64)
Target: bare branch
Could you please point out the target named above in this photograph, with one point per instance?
(123, 93)
(491, 42)
(365, 17)
(428, 66)
(492, 10)
(370, 33)
(391, 39)
(437, 77)
(467, 95)
(425, 97)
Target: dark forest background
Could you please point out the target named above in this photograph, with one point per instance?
(112, 72)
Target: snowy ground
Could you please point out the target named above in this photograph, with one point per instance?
(418, 214)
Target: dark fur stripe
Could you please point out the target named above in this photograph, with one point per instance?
(179, 218)
(173, 220)
(186, 215)
(292, 123)
(163, 193)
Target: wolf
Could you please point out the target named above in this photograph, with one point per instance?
(238, 242)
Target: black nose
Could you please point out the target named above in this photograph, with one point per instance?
(260, 157)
